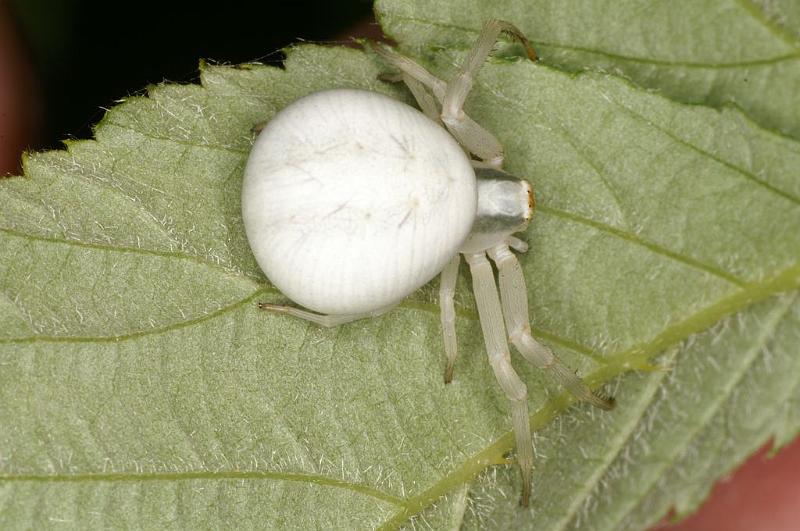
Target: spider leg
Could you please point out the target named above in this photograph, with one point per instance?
(327, 321)
(424, 98)
(477, 139)
(515, 308)
(494, 335)
(469, 133)
(461, 84)
(517, 244)
(391, 77)
(411, 68)
(447, 289)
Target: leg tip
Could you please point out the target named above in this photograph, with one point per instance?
(525, 498)
(531, 51)
(448, 374)
(605, 402)
(390, 77)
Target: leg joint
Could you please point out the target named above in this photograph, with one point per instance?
(500, 254)
(512, 385)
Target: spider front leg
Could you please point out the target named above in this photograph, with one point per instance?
(474, 138)
(459, 87)
(494, 335)
(514, 297)
(477, 139)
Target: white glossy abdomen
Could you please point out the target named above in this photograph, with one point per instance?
(352, 200)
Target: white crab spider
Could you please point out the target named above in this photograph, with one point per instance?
(352, 200)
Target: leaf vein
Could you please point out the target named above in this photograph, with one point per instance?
(758, 15)
(721, 396)
(795, 56)
(144, 333)
(315, 479)
(125, 249)
(741, 171)
(262, 290)
(655, 248)
(631, 359)
(627, 434)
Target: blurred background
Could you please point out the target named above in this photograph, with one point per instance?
(63, 61)
(69, 59)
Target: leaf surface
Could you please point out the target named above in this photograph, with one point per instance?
(743, 52)
(141, 386)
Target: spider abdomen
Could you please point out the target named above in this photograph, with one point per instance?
(352, 200)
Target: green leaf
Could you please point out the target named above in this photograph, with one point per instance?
(674, 434)
(745, 52)
(141, 387)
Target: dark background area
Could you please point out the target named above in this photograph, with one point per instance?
(88, 53)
